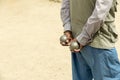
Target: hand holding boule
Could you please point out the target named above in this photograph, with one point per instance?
(66, 38)
(75, 46)
(63, 40)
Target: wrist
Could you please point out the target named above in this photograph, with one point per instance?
(68, 34)
(68, 31)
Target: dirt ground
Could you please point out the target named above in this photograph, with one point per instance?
(29, 41)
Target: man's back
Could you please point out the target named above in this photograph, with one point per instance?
(81, 10)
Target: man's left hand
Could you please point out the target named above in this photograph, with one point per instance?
(80, 46)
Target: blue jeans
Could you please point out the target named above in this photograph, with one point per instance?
(98, 64)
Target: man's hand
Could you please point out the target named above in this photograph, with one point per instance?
(80, 46)
(69, 38)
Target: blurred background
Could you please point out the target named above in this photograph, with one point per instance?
(29, 41)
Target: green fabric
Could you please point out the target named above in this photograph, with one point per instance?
(81, 10)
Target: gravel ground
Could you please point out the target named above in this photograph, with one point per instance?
(29, 41)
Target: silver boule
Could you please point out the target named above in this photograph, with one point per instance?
(63, 38)
(74, 45)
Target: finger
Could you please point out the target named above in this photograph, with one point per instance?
(76, 50)
(63, 44)
(67, 40)
(68, 44)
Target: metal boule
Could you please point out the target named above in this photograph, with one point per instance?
(63, 38)
(74, 45)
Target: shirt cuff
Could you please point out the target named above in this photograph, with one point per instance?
(83, 39)
(67, 27)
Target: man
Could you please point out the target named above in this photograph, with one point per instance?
(91, 24)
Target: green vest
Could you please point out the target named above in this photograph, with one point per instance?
(81, 10)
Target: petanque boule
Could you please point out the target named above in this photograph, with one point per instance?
(74, 45)
(63, 38)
